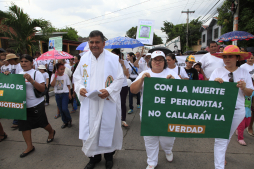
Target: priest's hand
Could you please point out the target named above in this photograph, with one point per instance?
(104, 94)
(83, 92)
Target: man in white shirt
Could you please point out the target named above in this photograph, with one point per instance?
(36, 62)
(144, 64)
(100, 117)
(210, 62)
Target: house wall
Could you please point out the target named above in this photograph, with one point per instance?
(203, 44)
(219, 32)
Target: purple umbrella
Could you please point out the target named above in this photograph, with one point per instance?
(235, 35)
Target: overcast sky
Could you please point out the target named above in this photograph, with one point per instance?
(112, 17)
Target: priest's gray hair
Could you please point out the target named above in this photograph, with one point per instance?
(165, 63)
(96, 33)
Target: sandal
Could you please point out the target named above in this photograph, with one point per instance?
(251, 134)
(73, 111)
(124, 124)
(5, 136)
(242, 142)
(56, 116)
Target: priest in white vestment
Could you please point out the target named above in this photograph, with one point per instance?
(100, 116)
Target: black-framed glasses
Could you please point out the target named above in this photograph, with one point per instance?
(231, 77)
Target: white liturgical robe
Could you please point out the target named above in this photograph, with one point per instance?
(95, 115)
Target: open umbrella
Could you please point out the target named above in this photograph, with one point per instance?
(163, 49)
(235, 35)
(54, 54)
(122, 42)
(82, 46)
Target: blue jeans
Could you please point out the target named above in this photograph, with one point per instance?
(62, 101)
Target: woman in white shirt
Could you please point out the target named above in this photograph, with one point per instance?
(158, 69)
(231, 73)
(171, 61)
(249, 66)
(36, 116)
(43, 70)
(61, 83)
(133, 75)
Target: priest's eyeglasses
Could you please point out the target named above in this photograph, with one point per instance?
(231, 77)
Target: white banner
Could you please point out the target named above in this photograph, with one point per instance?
(181, 59)
(145, 31)
(174, 45)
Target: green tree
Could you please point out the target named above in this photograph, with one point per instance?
(173, 31)
(18, 26)
(72, 34)
(131, 33)
(245, 21)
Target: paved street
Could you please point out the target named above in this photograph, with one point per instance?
(65, 151)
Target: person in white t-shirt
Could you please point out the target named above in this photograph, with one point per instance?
(6, 67)
(249, 66)
(133, 75)
(124, 92)
(171, 61)
(37, 63)
(36, 115)
(209, 62)
(158, 69)
(43, 70)
(61, 83)
(143, 65)
(231, 73)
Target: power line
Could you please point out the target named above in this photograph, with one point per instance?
(110, 13)
(181, 13)
(211, 8)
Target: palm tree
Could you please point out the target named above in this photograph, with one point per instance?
(18, 26)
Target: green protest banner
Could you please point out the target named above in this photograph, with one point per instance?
(187, 108)
(13, 97)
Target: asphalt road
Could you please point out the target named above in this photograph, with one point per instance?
(65, 151)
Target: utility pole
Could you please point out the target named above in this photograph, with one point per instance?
(187, 35)
(236, 17)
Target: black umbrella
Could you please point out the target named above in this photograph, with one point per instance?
(250, 49)
(163, 49)
(201, 52)
(188, 52)
(2, 50)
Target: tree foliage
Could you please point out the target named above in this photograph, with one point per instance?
(245, 22)
(173, 31)
(131, 33)
(18, 26)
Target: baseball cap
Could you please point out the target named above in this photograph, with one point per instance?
(190, 58)
(157, 53)
(148, 54)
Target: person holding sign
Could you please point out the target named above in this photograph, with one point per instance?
(36, 115)
(158, 65)
(231, 73)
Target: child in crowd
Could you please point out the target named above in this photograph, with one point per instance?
(6, 65)
(61, 83)
(197, 66)
(246, 121)
(43, 70)
(192, 73)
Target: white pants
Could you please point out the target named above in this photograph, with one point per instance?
(221, 145)
(152, 147)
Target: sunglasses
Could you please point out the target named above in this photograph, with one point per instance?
(231, 78)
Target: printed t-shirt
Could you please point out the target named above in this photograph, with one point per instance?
(16, 69)
(238, 74)
(61, 83)
(133, 75)
(192, 73)
(248, 101)
(31, 100)
(6, 68)
(248, 67)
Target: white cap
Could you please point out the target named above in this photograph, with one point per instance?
(41, 67)
(157, 53)
(148, 54)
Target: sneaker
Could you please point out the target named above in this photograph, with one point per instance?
(150, 167)
(130, 111)
(124, 124)
(169, 157)
(138, 106)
